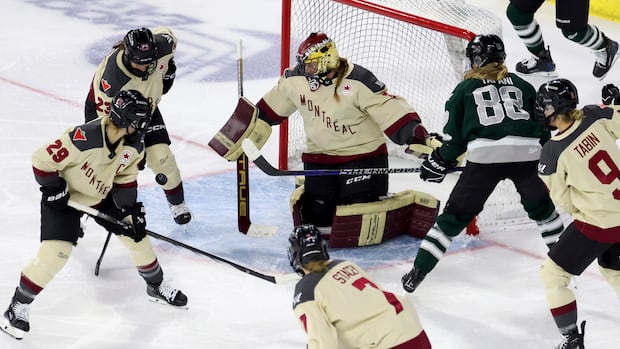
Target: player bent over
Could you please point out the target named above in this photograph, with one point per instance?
(347, 113)
(581, 167)
(94, 164)
(339, 306)
(491, 115)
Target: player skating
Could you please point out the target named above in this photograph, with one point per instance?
(581, 167)
(572, 19)
(144, 61)
(339, 306)
(491, 116)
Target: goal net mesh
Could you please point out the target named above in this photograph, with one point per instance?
(416, 47)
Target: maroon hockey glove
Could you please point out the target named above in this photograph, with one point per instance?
(55, 195)
(420, 134)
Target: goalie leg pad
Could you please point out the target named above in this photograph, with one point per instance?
(296, 204)
(244, 123)
(407, 212)
(424, 213)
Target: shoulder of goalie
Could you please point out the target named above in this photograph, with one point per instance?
(408, 212)
(244, 123)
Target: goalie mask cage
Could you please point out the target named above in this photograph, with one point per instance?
(416, 47)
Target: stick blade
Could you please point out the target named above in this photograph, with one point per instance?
(262, 231)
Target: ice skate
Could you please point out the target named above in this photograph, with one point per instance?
(166, 294)
(15, 319)
(573, 339)
(180, 213)
(605, 59)
(541, 65)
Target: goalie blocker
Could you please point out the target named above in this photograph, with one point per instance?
(244, 123)
(408, 212)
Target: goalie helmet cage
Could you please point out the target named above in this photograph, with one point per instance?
(416, 47)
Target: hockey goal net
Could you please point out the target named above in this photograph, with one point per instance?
(416, 47)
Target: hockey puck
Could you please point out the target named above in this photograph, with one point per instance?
(161, 179)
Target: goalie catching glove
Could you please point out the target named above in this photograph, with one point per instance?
(434, 168)
(244, 123)
(432, 142)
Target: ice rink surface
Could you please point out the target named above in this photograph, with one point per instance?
(485, 293)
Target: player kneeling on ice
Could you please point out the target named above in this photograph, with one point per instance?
(339, 306)
(108, 150)
(347, 112)
(491, 115)
(581, 167)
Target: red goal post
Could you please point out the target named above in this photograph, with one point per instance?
(416, 47)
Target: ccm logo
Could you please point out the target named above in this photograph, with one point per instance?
(357, 179)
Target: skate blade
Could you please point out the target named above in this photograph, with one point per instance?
(163, 302)
(6, 327)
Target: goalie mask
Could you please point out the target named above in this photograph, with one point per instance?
(306, 245)
(317, 55)
(485, 49)
(141, 49)
(131, 109)
(555, 97)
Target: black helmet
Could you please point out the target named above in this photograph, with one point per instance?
(130, 109)
(140, 48)
(306, 245)
(485, 49)
(555, 97)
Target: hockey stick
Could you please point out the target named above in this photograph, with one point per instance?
(100, 259)
(254, 154)
(244, 224)
(276, 279)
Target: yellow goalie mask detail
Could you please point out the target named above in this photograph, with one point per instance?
(317, 55)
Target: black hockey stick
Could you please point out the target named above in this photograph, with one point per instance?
(254, 154)
(276, 279)
(100, 259)
(244, 223)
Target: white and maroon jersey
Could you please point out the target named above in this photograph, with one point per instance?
(112, 76)
(581, 168)
(343, 119)
(343, 308)
(82, 157)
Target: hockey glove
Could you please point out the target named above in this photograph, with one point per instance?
(137, 229)
(412, 279)
(169, 76)
(56, 196)
(434, 168)
(433, 141)
(609, 93)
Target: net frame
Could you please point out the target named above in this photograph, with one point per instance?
(365, 31)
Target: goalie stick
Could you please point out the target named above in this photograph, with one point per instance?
(244, 224)
(276, 279)
(254, 154)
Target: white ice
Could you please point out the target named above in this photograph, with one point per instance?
(485, 294)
